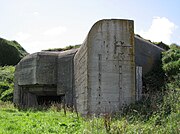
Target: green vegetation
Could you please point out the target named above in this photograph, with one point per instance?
(171, 62)
(162, 45)
(11, 52)
(154, 80)
(6, 83)
(37, 122)
(159, 44)
(157, 114)
(63, 49)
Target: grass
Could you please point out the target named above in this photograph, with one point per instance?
(37, 122)
(159, 113)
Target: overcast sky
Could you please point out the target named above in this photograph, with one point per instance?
(43, 24)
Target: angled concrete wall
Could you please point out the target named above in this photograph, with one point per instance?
(65, 75)
(147, 55)
(81, 79)
(105, 68)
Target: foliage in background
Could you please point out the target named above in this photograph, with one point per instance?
(162, 45)
(6, 83)
(63, 49)
(171, 64)
(155, 79)
(11, 52)
(167, 70)
(159, 44)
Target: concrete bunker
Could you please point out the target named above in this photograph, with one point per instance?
(102, 76)
(39, 80)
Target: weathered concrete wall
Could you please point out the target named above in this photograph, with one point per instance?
(65, 78)
(147, 55)
(26, 98)
(16, 93)
(81, 79)
(46, 69)
(104, 65)
(33, 74)
(138, 83)
(38, 68)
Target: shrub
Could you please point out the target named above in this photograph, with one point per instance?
(155, 79)
(6, 83)
(171, 64)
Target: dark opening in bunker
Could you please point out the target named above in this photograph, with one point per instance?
(49, 100)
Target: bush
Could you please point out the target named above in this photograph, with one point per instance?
(155, 79)
(6, 83)
(168, 70)
(171, 64)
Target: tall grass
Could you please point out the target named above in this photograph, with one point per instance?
(157, 113)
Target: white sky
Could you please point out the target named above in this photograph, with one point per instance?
(43, 24)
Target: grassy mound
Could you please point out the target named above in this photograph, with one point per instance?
(11, 52)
